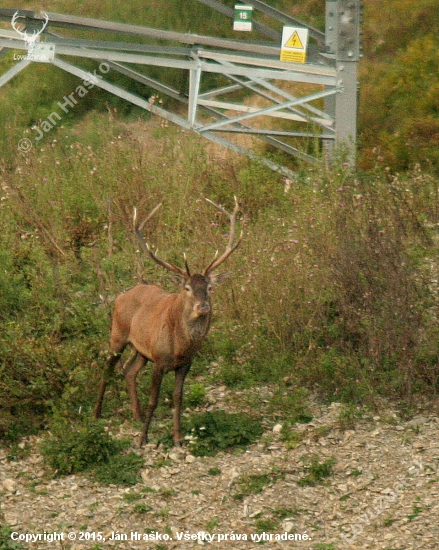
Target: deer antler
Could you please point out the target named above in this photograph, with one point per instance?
(145, 246)
(30, 39)
(230, 246)
(14, 26)
(45, 23)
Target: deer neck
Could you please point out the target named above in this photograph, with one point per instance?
(198, 328)
(193, 329)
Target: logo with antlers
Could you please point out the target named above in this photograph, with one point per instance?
(30, 39)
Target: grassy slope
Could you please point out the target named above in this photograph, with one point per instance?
(328, 291)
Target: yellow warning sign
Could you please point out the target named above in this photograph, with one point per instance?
(294, 44)
(293, 57)
(294, 41)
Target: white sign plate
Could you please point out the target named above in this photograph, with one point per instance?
(294, 44)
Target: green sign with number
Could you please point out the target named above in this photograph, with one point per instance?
(242, 20)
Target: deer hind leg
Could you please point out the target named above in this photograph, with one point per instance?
(157, 376)
(180, 375)
(108, 374)
(130, 372)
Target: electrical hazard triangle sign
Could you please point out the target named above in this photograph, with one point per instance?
(294, 41)
(294, 44)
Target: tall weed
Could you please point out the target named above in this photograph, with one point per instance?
(334, 287)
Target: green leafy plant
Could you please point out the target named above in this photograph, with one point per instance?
(195, 395)
(317, 471)
(281, 512)
(132, 496)
(291, 438)
(348, 416)
(87, 447)
(6, 543)
(211, 432)
(73, 448)
(120, 469)
(212, 523)
(264, 525)
(253, 484)
(141, 508)
(415, 513)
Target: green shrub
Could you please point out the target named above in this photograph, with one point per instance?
(290, 405)
(142, 508)
(71, 449)
(215, 431)
(195, 395)
(317, 471)
(253, 484)
(120, 469)
(87, 447)
(6, 543)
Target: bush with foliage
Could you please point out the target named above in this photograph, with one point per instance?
(316, 471)
(6, 543)
(399, 106)
(215, 431)
(195, 395)
(86, 446)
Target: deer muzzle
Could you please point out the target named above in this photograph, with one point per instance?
(202, 308)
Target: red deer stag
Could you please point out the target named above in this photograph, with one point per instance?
(167, 329)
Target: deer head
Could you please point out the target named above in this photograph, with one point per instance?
(196, 287)
(29, 39)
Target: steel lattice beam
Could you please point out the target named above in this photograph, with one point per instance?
(325, 108)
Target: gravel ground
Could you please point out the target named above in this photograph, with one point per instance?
(383, 493)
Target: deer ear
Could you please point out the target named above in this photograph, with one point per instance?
(217, 279)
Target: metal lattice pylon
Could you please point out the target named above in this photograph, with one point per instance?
(273, 109)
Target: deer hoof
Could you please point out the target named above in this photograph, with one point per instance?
(142, 441)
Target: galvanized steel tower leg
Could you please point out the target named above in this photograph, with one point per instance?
(346, 110)
(331, 46)
(347, 54)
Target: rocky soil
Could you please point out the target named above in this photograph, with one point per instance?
(383, 493)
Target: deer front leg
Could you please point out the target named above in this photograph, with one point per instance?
(180, 375)
(130, 372)
(157, 376)
(108, 373)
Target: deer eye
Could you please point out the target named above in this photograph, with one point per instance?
(209, 288)
(187, 288)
